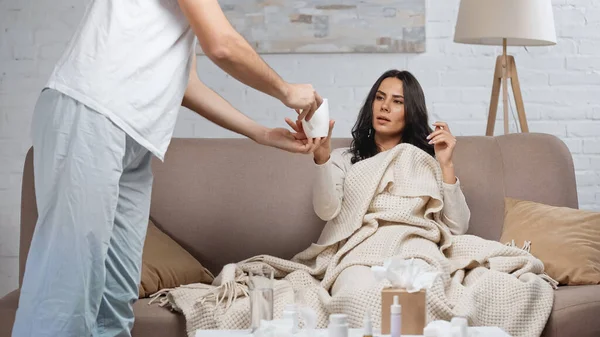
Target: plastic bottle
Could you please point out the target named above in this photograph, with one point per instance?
(396, 318)
(459, 326)
(367, 325)
(338, 325)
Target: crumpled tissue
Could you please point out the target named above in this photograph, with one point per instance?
(407, 274)
(441, 328)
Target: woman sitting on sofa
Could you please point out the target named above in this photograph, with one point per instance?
(392, 195)
(394, 112)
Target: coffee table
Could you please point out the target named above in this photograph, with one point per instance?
(479, 331)
(319, 333)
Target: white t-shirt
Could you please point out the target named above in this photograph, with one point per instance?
(130, 61)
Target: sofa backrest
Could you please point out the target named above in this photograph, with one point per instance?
(225, 200)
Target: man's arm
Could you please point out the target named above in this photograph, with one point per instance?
(208, 104)
(229, 50)
(232, 53)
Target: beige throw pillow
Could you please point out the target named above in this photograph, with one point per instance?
(566, 240)
(165, 264)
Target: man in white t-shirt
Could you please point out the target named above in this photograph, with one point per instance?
(110, 104)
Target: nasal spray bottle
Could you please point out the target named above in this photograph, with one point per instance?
(395, 318)
(367, 325)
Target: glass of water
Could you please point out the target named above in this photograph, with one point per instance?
(261, 301)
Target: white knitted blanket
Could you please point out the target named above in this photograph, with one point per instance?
(391, 207)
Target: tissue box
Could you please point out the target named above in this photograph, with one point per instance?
(413, 310)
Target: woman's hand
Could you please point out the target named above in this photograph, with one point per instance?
(285, 140)
(443, 143)
(321, 154)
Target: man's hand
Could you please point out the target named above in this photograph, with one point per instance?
(285, 140)
(303, 98)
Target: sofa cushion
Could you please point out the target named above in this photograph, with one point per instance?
(165, 264)
(575, 312)
(567, 240)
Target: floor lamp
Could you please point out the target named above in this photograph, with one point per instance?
(505, 23)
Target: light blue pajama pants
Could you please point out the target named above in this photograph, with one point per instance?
(93, 185)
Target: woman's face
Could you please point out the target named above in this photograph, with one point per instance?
(388, 108)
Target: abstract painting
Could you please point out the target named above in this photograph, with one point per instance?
(329, 26)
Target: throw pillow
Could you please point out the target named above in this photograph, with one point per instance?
(165, 264)
(566, 240)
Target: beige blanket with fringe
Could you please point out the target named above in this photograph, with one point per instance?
(391, 207)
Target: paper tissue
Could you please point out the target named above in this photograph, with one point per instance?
(409, 281)
(458, 327)
(318, 126)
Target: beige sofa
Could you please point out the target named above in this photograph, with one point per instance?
(227, 199)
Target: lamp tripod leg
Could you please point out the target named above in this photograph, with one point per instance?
(516, 87)
(505, 69)
(491, 123)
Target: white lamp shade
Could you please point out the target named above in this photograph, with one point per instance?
(520, 22)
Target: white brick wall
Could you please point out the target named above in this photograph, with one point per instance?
(560, 84)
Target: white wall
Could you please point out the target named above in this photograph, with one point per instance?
(561, 89)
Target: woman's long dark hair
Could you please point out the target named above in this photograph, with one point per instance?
(416, 127)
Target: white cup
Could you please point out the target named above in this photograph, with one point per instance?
(318, 126)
